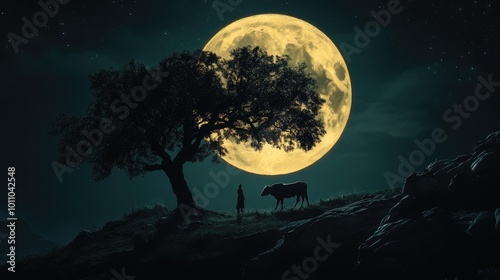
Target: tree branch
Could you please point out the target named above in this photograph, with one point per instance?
(160, 151)
(153, 167)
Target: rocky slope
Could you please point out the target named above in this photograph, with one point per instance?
(444, 224)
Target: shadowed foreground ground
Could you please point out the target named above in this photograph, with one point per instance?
(215, 244)
(444, 224)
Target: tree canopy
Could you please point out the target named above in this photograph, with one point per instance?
(184, 109)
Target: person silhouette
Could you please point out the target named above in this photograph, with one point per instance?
(240, 204)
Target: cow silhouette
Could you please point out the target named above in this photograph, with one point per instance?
(281, 191)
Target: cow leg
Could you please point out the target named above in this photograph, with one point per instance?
(282, 204)
(297, 202)
(307, 198)
(302, 204)
(277, 203)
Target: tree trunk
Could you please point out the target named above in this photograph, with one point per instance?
(179, 186)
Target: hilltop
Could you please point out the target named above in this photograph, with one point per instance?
(443, 224)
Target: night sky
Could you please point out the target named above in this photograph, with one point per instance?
(426, 60)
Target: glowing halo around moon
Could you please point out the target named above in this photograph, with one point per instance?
(279, 35)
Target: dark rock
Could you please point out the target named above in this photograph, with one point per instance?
(446, 224)
(483, 224)
(412, 246)
(465, 182)
(346, 226)
(423, 185)
(407, 207)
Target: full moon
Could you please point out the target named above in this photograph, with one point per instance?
(280, 35)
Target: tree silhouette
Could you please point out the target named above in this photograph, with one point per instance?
(187, 113)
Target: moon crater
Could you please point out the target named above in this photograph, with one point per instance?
(279, 35)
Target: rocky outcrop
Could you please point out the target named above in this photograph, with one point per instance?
(447, 222)
(444, 225)
(343, 228)
(468, 182)
(437, 243)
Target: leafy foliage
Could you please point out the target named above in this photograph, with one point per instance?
(203, 101)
